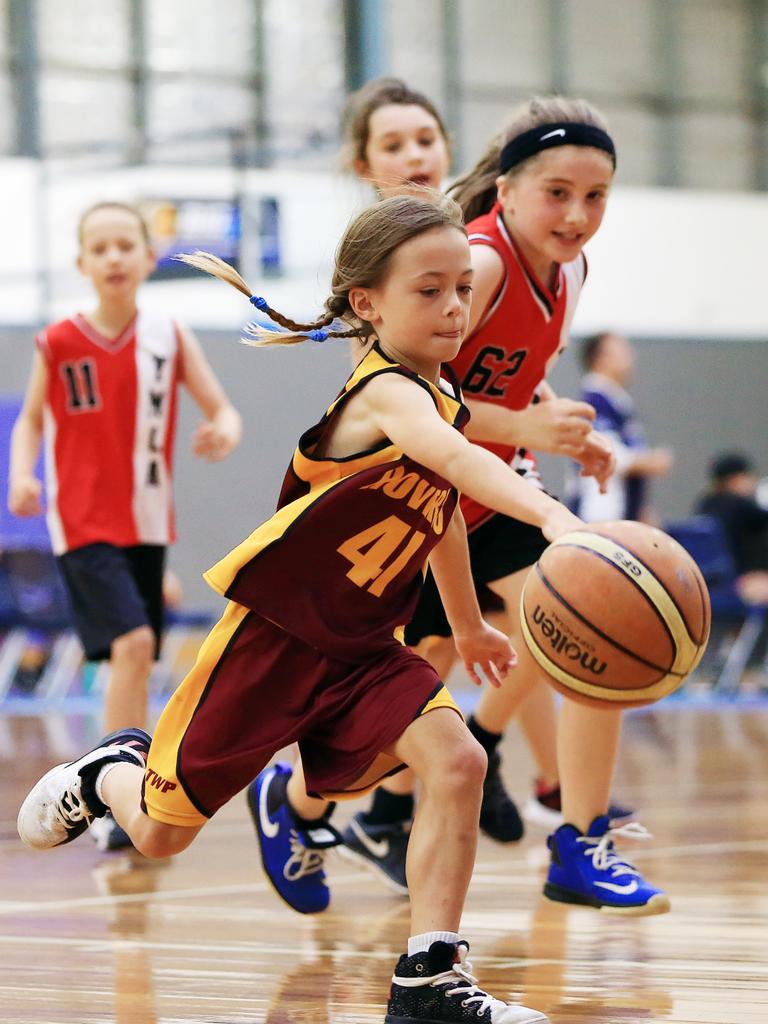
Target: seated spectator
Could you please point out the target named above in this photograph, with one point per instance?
(731, 499)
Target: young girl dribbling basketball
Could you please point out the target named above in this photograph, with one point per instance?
(318, 596)
(397, 142)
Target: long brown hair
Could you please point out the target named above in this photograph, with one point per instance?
(475, 192)
(363, 259)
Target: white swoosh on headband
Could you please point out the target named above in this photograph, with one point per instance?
(557, 131)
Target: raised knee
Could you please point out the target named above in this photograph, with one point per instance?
(465, 765)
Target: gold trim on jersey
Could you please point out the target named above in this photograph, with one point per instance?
(322, 473)
(164, 794)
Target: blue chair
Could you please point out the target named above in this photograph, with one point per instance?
(704, 539)
(34, 607)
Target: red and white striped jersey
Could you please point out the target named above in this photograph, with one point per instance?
(519, 337)
(110, 419)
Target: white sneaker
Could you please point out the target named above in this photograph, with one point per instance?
(55, 811)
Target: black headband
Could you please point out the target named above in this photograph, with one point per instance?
(547, 136)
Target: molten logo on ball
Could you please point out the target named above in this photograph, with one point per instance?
(616, 614)
(564, 644)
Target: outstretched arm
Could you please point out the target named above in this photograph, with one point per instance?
(24, 489)
(477, 643)
(406, 414)
(220, 434)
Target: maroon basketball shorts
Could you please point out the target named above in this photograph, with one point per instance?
(255, 689)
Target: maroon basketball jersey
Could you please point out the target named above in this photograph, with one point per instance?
(341, 563)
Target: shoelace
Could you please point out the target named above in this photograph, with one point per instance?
(469, 989)
(603, 855)
(70, 809)
(302, 861)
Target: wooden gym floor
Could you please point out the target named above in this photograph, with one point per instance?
(90, 937)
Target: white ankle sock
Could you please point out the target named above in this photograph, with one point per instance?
(103, 772)
(421, 943)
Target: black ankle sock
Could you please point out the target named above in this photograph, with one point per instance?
(306, 824)
(389, 808)
(277, 792)
(487, 740)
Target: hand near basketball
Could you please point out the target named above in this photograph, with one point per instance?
(24, 496)
(486, 648)
(559, 521)
(598, 459)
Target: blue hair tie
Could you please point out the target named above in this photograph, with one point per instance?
(259, 303)
(317, 335)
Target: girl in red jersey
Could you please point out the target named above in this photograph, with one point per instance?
(103, 394)
(532, 202)
(310, 646)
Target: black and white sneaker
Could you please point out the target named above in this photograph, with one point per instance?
(380, 847)
(61, 805)
(499, 817)
(437, 987)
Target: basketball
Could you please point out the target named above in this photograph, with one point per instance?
(617, 614)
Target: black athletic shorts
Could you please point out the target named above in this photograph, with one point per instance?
(113, 590)
(499, 547)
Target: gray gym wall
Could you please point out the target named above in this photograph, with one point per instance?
(698, 397)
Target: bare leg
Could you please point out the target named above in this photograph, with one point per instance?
(587, 746)
(126, 699)
(401, 784)
(122, 794)
(450, 766)
(305, 806)
(537, 718)
(536, 714)
(587, 738)
(440, 652)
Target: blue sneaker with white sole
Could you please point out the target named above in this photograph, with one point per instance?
(586, 870)
(293, 854)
